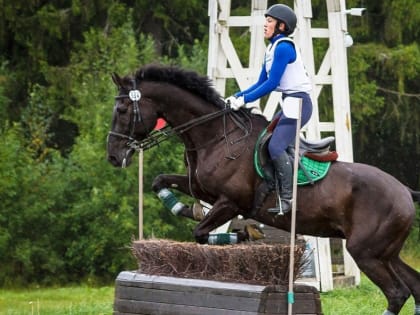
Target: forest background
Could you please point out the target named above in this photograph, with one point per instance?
(67, 215)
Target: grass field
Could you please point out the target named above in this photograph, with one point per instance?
(364, 300)
(57, 301)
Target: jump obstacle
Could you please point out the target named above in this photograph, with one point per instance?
(177, 278)
(137, 293)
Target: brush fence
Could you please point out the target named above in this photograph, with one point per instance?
(138, 293)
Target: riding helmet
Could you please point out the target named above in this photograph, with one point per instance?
(285, 14)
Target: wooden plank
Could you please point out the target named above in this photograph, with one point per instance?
(141, 307)
(137, 293)
(192, 290)
(199, 298)
(277, 303)
(129, 278)
(245, 21)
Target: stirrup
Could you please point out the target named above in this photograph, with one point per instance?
(279, 209)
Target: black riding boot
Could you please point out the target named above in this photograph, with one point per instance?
(284, 174)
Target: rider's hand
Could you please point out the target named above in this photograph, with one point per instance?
(236, 103)
(230, 100)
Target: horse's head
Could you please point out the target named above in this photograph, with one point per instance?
(134, 117)
(186, 100)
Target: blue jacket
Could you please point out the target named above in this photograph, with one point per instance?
(285, 53)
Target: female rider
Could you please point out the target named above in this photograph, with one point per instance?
(283, 71)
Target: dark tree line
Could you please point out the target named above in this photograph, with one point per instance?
(65, 214)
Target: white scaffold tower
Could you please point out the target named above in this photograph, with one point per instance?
(224, 63)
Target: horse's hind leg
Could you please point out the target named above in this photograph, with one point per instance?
(379, 270)
(394, 289)
(411, 279)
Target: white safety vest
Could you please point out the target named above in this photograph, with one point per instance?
(295, 78)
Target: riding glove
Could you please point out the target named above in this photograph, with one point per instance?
(236, 103)
(230, 100)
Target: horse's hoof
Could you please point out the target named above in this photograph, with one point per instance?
(198, 211)
(254, 232)
(201, 239)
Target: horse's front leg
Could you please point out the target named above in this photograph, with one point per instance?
(182, 183)
(222, 211)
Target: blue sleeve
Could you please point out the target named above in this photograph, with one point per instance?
(283, 55)
(261, 79)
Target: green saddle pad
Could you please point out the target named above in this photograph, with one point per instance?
(315, 169)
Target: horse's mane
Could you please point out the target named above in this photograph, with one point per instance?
(185, 79)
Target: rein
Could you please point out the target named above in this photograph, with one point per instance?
(155, 137)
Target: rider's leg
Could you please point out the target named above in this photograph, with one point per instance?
(284, 174)
(283, 135)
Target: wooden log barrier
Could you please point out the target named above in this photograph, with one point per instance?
(138, 293)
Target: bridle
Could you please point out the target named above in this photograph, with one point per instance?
(155, 137)
(134, 95)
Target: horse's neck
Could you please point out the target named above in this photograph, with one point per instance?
(182, 108)
(176, 102)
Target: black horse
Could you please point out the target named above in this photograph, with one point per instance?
(369, 208)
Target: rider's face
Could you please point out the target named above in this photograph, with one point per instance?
(269, 27)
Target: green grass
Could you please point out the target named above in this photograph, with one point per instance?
(366, 299)
(52, 301)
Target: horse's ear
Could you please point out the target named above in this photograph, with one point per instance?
(117, 80)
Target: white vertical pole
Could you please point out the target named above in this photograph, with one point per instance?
(326, 281)
(290, 294)
(141, 194)
(303, 38)
(340, 87)
(257, 43)
(337, 24)
(213, 40)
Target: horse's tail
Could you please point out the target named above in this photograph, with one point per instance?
(414, 194)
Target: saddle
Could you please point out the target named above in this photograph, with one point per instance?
(315, 158)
